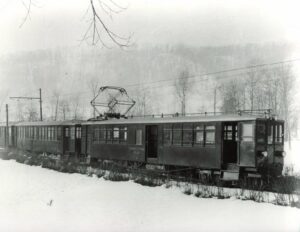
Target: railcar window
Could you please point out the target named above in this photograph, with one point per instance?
(45, 133)
(116, 134)
(199, 134)
(228, 132)
(167, 134)
(177, 134)
(279, 133)
(138, 137)
(67, 132)
(49, 133)
(96, 134)
(109, 134)
(210, 134)
(42, 133)
(35, 132)
(72, 132)
(270, 134)
(247, 132)
(78, 132)
(58, 133)
(187, 134)
(261, 133)
(39, 133)
(102, 134)
(54, 133)
(123, 134)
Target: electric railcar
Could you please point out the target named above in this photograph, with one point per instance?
(231, 146)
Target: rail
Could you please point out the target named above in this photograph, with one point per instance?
(266, 113)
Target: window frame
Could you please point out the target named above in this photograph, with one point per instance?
(248, 138)
(199, 128)
(138, 136)
(207, 131)
(177, 130)
(187, 129)
(167, 130)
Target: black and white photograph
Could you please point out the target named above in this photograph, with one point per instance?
(149, 115)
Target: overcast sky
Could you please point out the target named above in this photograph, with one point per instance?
(62, 23)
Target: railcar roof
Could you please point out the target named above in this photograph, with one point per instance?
(46, 123)
(146, 120)
(142, 120)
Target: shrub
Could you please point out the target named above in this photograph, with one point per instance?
(168, 184)
(197, 194)
(220, 193)
(148, 181)
(116, 176)
(187, 189)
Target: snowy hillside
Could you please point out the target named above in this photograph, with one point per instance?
(37, 199)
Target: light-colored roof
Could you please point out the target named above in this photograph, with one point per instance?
(44, 123)
(154, 120)
(145, 120)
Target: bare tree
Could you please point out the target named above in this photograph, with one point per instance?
(182, 88)
(32, 113)
(287, 81)
(55, 104)
(64, 108)
(94, 85)
(97, 28)
(3, 98)
(232, 94)
(75, 107)
(143, 104)
(251, 83)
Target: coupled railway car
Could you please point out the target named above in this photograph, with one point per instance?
(227, 146)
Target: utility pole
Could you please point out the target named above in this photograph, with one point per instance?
(41, 107)
(7, 131)
(34, 98)
(215, 100)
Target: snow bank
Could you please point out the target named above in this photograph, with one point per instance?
(293, 155)
(37, 199)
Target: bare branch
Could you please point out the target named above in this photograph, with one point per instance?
(28, 8)
(98, 24)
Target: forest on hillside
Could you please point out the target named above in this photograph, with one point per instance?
(154, 76)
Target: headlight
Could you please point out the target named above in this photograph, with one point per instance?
(283, 154)
(265, 153)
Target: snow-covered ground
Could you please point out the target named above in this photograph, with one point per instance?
(81, 203)
(293, 155)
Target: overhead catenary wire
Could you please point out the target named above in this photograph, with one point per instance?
(203, 76)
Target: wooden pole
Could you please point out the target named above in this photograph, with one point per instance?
(41, 108)
(7, 129)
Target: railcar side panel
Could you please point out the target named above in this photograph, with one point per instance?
(114, 150)
(247, 156)
(205, 156)
(2, 136)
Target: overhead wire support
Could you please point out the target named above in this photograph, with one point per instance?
(33, 98)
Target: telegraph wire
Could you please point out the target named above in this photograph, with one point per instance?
(145, 84)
